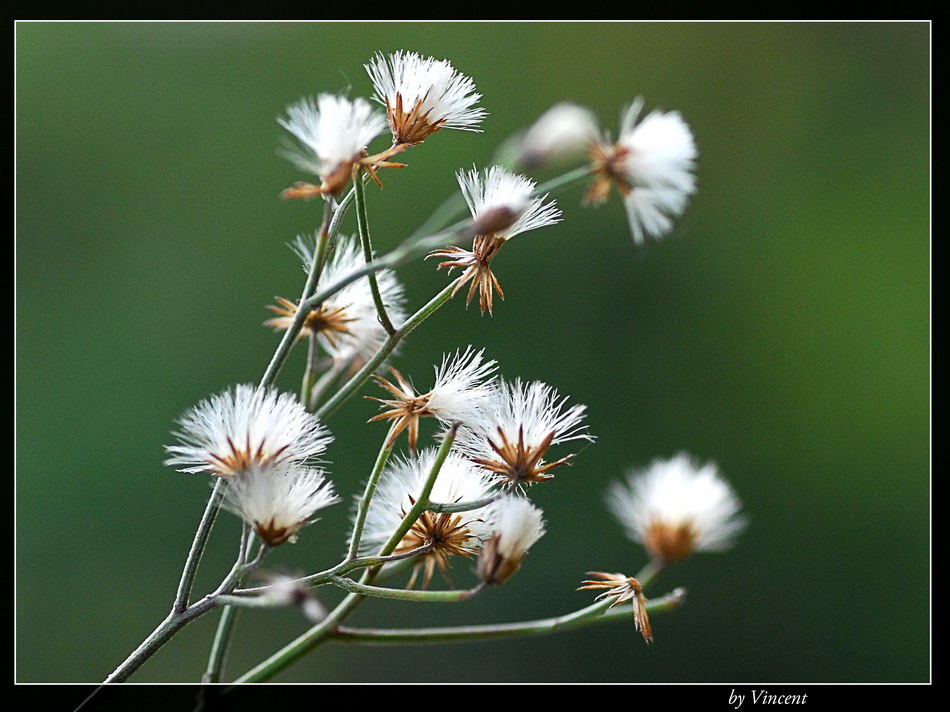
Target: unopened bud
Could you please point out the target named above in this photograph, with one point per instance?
(519, 525)
(563, 132)
(495, 220)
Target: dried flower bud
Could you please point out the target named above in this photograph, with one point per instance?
(562, 132)
(518, 525)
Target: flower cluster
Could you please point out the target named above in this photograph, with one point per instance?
(469, 497)
(263, 442)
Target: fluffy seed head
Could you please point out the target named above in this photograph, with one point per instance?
(243, 428)
(521, 422)
(651, 165)
(502, 204)
(677, 506)
(562, 132)
(276, 500)
(347, 323)
(333, 133)
(423, 95)
(446, 535)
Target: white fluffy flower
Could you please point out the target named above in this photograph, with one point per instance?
(243, 428)
(460, 392)
(652, 165)
(676, 506)
(521, 422)
(502, 200)
(517, 525)
(463, 385)
(333, 133)
(277, 499)
(564, 131)
(447, 534)
(423, 95)
(347, 323)
(502, 206)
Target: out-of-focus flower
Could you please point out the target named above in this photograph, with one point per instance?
(675, 507)
(621, 589)
(442, 534)
(521, 422)
(285, 590)
(333, 133)
(502, 206)
(517, 525)
(462, 386)
(277, 499)
(346, 323)
(246, 428)
(563, 132)
(423, 95)
(652, 166)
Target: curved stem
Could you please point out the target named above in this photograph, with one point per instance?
(362, 226)
(593, 614)
(465, 506)
(563, 181)
(320, 252)
(404, 594)
(198, 547)
(310, 371)
(340, 569)
(381, 459)
(222, 642)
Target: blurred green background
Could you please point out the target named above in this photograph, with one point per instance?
(782, 330)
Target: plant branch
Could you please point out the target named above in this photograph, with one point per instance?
(593, 614)
(362, 226)
(198, 547)
(381, 459)
(403, 594)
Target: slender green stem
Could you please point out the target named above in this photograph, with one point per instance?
(198, 547)
(295, 649)
(321, 250)
(381, 459)
(332, 369)
(422, 499)
(404, 594)
(307, 303)
(362, 226)
(175, 621)
(562, 181)
(396, 257)
(222, 636)
(310, 371)
(217, 659)
(344, 567)
(594, 614)
(465, 506)
(351, 386)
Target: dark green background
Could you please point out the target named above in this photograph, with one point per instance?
(782, 330)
